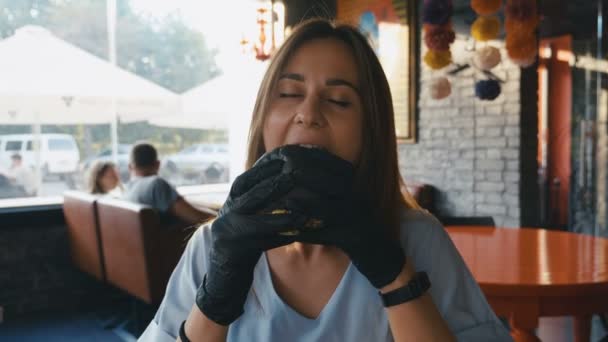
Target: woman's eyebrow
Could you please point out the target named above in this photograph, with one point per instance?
(295, 77)
(329, 82)
(341, 82)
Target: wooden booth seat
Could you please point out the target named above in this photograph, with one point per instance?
(80, 213)
(139, 252)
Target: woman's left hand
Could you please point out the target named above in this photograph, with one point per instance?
(345, 219)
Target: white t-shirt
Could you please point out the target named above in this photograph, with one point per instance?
(24, 177)
(354, 312)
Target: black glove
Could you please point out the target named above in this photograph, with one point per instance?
(241, 233)
(345, 218)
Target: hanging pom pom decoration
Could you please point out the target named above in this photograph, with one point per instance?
(521, 10)
(438, 38)
(437, 12)
(487, 57)
(524, 62)
(521, 21)
(528, 24)
(486, 7)
(485, 28)
(440, 88)
(521, 45)
(438, 59)
(487, 89)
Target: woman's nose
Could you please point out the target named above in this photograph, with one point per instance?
(309, 114)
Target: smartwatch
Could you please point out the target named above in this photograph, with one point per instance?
(415, 288)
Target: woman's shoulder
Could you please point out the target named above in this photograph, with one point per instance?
(418, 221)
(417, 228)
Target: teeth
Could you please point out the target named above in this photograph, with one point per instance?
(311, 146)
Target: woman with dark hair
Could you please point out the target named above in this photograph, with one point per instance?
(104, 179)
(316, 241)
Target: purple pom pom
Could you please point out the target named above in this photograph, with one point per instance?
(487, 89)
(437, 12)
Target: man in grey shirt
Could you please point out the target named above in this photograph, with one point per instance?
(146, 187)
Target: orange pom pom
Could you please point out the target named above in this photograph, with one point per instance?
(485, 28)
(486, 7)
(527, 25)
(521, 45)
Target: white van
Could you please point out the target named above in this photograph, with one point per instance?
(59, 153)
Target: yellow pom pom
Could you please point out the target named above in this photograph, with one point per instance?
(486, 7)
(485, 28)
(438, 59)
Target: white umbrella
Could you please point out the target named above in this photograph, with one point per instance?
(226, 103)
(210, 105)
(46, 80)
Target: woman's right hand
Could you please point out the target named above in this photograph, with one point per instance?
(244, 229)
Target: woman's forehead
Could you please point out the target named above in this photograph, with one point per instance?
(328, 56)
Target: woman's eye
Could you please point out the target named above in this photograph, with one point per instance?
(343, 104)
(289, 95)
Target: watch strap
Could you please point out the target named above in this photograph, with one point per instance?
(182, 332)
(415, 288)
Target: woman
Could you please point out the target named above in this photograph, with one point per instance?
(104, 179)
(316, 242)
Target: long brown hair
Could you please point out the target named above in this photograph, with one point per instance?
(97, 170)
(378, 177)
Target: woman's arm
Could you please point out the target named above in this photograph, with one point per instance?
(418, 319)
(199, 328)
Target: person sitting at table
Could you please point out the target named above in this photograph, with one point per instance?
(315, 241)
(104, 179)
(21, 176)
(146, 187)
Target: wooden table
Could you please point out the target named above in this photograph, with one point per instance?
(530, 273)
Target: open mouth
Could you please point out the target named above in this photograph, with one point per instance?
(313, 146)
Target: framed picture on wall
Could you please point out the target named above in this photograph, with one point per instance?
(390, 26)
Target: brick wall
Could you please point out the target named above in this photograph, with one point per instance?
(467, 148)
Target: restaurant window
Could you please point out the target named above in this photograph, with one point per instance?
(176, 82)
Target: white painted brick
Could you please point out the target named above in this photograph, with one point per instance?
(491, 209)
(491, 121)
(514, 141)
(512, 131)
(492, 142)
(511, 223)
(490, 187)
(512, 176)
(490, 165)
(513, 165)
(493, 199)
(511, 153)
(494, 153)
(494, 176)
(493, 110)
(511, 199)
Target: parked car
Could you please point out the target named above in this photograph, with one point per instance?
(106, 155)
(197, 164)
(59, 153)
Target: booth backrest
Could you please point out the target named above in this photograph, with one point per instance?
(139, 253)
(80, 213)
